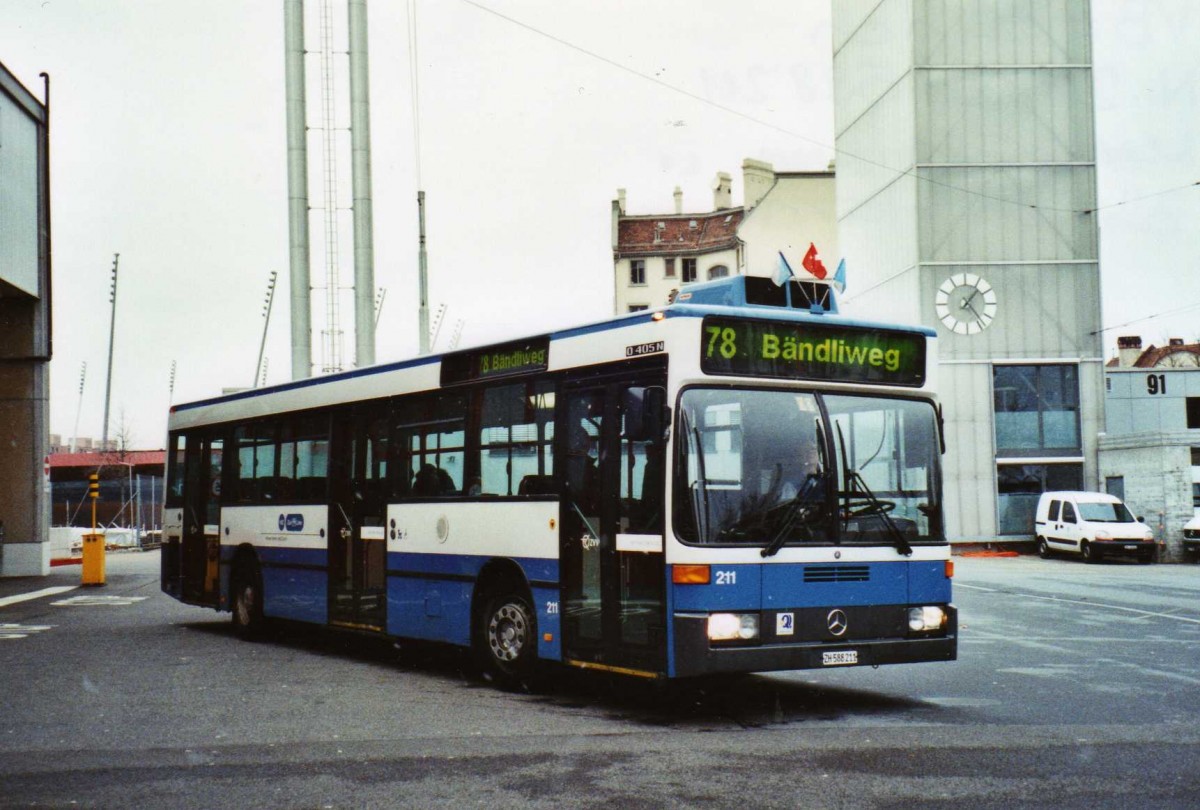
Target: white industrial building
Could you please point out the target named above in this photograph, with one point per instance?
(966, 186)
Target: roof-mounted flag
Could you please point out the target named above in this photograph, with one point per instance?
(839, 276)
(812, 262)
(783, 271)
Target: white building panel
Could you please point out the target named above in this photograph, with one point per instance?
(1030, 116)
(878, 56)
(867, 163)
(1002, 214)
(1001, 32)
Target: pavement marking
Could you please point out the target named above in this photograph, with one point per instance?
(1138, 611)
(92, 601)
(24, 597)
(8, 631)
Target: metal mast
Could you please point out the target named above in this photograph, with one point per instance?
(331, 359)
(360, 167)
(297, 160)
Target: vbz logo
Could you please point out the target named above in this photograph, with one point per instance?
(291, 523)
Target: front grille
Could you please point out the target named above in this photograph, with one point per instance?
(837, 573)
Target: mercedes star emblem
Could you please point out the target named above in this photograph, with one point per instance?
(836, 621)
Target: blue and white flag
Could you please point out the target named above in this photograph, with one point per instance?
(784, 271)
(839, 277)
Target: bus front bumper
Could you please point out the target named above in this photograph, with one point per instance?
(695, 655)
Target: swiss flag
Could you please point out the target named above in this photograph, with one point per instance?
(812, 262)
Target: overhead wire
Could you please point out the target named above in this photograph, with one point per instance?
(836, 151)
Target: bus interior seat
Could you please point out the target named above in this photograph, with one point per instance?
(536, 485)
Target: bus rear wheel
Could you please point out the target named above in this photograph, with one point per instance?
(246, 588)
(507, 638)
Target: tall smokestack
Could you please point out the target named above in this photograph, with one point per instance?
(297, 158)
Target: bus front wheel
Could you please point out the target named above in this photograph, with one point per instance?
(246, 587)
(508, 638)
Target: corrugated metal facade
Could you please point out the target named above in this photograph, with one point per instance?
(966, 145)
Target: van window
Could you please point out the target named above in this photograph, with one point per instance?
(1068, 513)
(1106, 513)
(1054, 507)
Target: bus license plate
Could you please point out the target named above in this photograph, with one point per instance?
(840, 658)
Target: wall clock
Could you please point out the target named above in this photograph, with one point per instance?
(965, 303)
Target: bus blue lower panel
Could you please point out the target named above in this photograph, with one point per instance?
(857, 610)
(429, 597)
(295, 583)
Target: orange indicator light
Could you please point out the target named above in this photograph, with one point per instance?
(690, 574)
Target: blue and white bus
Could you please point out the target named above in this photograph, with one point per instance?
(744, 480)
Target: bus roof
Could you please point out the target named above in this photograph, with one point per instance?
(724, 297)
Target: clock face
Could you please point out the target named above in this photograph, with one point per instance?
(965, 303)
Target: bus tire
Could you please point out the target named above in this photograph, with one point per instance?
(507, 637)
(246, 600)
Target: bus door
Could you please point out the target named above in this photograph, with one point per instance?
(611, 535)
(357, 514)
(200, 552)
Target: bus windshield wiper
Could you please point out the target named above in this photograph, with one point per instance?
(856, 486)
(699, 488)
(802, 507)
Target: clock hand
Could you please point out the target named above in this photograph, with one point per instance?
(978, 317)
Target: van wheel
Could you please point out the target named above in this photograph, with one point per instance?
(1090, 555)
(1043, 548)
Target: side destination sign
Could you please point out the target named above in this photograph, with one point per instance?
(812, 351)
(508, 359)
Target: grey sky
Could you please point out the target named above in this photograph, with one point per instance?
(168, 147)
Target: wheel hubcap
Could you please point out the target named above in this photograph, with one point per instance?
(506, 632)
(245, 605)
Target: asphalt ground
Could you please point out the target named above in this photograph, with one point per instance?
(1076, 686)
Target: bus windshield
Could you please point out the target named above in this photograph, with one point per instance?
(778, 468)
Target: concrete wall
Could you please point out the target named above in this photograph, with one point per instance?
(24, 330)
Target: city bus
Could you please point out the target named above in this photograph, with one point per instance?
(743, 480)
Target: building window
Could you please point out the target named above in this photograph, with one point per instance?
(1193, 413)
(1115, 485)
(1196, 456)
(1037, 410)
(1019, 485)
(719, 271)
(669, 267)
(689, 270)
(637, 271)
(638, 307)
(1196, 496)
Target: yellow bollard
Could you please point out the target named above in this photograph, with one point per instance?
(93, 559)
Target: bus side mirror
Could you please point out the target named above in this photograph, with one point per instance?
(647, 417)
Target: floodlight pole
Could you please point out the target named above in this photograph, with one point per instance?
(112, 330)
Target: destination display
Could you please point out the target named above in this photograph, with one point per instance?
(811, 351)
(524, 357)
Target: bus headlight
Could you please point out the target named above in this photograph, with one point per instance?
(926, 619)
(733, 627)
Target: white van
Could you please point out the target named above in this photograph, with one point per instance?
(1092, 525)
